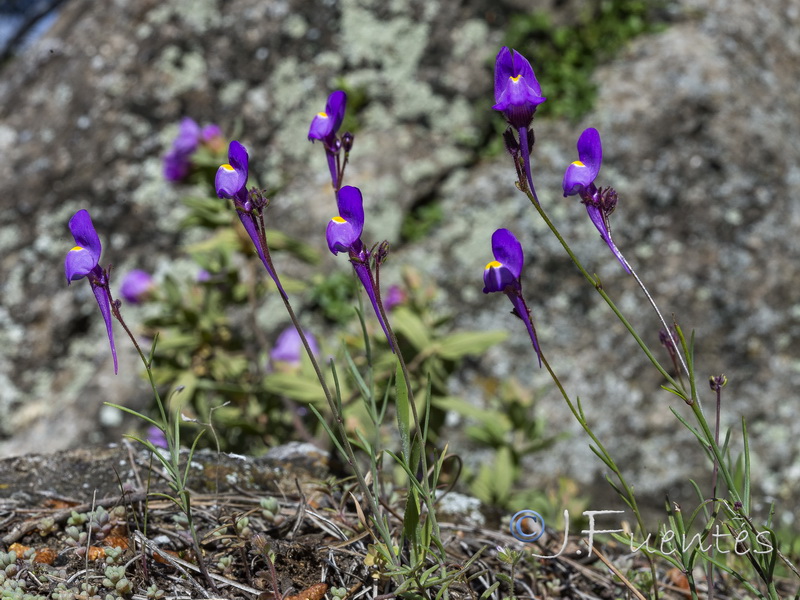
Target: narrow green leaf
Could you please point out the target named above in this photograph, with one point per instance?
(307, 391)
(609, 462)
(190, 457)
(328, 430)
(363, 443)
(427, 418)
(703, 504)
(337, 399)
(489, 592)
(671, 390)
(414, 483)
(697, 433)
(416, 452)
(458, 345)
(403, 411)
(746, 490)
(364, 332)
(362, 386)
(411, 523)
(504, 472)
(411, 327)
(136, 414)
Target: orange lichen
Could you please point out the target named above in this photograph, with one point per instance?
(315, 592)
(45, 556)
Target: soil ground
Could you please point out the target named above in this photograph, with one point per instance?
(315, 538)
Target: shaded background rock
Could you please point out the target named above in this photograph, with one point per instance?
(697, 123)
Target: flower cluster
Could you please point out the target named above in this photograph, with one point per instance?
(344, 231)
(178, 161)
(288, 349)
(137, 286)
(517, 96)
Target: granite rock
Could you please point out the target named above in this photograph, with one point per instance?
(697, 123)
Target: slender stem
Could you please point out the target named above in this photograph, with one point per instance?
(601, 449)
(599, 287)
(350, 454)
(115, 310)
(714, 473)
(429, 499)
(652, 302)
(716, 451)
(526, 163)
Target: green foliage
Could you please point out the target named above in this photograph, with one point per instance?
(509, 426)
(212, 358)
(420, 221)
(564, 56)
(333, 294)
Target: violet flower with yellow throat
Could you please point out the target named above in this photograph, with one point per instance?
(503, 275)
(231, 182)
(517, 94)
(344, 235)
(324, 127)
(83, 261)
(600, 202)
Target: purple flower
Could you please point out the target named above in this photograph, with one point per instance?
(176, 166)
(157, 437)
(210, 133)
(211, 137)
(231, 177)
(178, 161)
(580, 175)
(579, 180)
(344, 235)
(82, 261)
(289, 347)
(136, 286)
(517, 95)
(503, 275)
(231, 182)
(344, 232)
(516, 90)
(324, 127)
(188, 137)
(395, 295)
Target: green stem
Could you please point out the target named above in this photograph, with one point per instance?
(599, 287)
(666, 327)
(115, 310)
(631, 498)
(426, 487)
(716, 451)
(335, 411)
